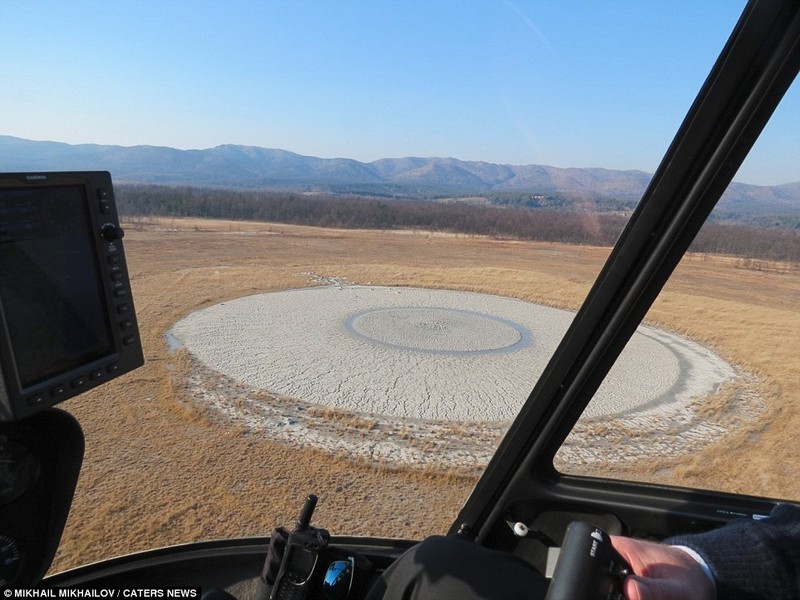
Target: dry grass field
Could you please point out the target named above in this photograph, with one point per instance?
(161, 469)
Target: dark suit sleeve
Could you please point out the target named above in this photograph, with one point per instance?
(753, 559)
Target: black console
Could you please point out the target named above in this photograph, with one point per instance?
(67, 322)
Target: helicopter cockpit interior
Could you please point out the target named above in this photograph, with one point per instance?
(68, 325)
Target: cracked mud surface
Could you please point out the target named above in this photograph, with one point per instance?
(407, 375)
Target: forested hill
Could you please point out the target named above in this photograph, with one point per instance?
(247, 167)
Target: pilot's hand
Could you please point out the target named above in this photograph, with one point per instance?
(662, 572)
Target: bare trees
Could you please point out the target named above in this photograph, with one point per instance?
(349, 211)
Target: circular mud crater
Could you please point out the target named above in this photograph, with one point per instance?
(432, 355)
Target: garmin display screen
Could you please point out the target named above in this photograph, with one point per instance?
(50, 285)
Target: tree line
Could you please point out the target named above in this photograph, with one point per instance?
(357, 212)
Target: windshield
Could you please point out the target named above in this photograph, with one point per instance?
(717, 357)
(355, 235)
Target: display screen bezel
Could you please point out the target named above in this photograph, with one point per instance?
(57, 321)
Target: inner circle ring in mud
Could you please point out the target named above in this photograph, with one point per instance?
(438, 330)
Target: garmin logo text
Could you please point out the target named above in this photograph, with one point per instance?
(35, 177)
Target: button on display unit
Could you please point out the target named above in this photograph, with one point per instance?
(67, 321)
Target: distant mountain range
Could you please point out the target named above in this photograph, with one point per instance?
(233, 166)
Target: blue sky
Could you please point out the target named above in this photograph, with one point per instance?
(568, 84)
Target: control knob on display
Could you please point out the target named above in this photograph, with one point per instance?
(111, 232)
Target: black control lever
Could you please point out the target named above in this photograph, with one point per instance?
(588, 567)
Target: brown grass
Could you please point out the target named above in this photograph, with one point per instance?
(343, 418)
(160, 470)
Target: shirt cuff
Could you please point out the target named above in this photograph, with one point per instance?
(700, 561)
